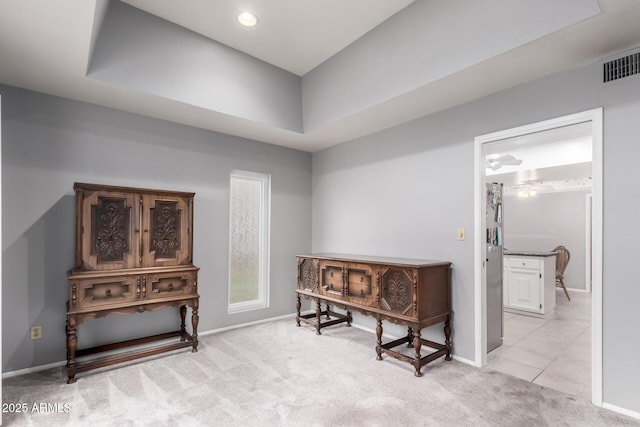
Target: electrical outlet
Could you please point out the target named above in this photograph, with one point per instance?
(36, 332)
(460, 233)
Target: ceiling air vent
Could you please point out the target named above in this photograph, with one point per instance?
(622, 67)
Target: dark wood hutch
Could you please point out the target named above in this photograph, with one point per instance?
(133, 254)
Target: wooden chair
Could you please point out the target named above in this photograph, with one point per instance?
(562, 259)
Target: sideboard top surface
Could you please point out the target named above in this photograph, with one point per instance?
(404, 262)
(529, 253)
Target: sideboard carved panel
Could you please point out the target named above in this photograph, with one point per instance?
(308, 275)
(397, 291)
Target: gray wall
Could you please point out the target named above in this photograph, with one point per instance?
(400, 192)
(404, 191)
(405, 45)
(190, 68)
(542, 222)
(49, 143)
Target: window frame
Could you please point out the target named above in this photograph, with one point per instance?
(264, 242)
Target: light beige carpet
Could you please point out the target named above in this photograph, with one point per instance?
(277, 374)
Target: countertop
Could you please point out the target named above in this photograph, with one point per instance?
(529, 253)
(406, 262)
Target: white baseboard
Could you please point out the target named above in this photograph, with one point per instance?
(361, 327)
(216, 331)
(242, 325)
(33, 369)
(584, 291)
(200, 334)
(393, 337)
(620, 410)
(465, 361)
(373, 331)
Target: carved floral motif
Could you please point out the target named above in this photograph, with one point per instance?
(397, 294)
(309, 275)
(111, 230)
(166, 229)
(396, 290)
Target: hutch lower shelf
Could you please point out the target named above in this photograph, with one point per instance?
(115, 350)
(413, 293)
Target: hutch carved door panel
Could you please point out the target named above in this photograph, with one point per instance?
(110, 222)
(166, 227)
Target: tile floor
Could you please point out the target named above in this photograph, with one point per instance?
(555, 352)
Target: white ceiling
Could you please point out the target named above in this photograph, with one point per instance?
(553, 160)
(294, 35)
(46, 46)
(556, 147)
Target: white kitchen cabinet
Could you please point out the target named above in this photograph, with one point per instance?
(529, 283)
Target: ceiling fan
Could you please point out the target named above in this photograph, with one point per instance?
(496, 161)
(529, 188)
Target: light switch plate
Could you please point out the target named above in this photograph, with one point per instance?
(460, 233)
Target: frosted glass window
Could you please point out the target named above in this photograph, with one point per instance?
(248, 241)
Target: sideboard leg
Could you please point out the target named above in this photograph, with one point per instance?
(349, 318)
(194, 324)
(72, 345)
(379, 336)
(298, 306)
(328, 308)
(183, 325)
(409, 337)
(318, 315)
(417, 344)
(447, 338)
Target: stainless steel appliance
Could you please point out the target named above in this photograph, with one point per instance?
(493, 266)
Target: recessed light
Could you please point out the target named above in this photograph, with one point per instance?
(247, 19)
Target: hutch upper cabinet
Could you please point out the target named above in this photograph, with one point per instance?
(127, 228)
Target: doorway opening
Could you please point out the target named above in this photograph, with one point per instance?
(592, 118)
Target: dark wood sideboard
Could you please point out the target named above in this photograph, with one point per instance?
(409, 292)
(133, 254)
